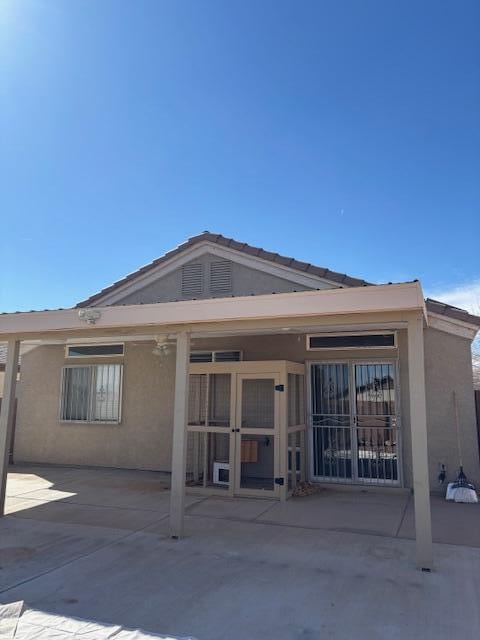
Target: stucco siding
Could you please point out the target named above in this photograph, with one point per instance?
(245, 281)
(448, 368)
(141, 441)
(144, 437)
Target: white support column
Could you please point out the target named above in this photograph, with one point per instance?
(7, 415)
(418, 425)
(179, 448)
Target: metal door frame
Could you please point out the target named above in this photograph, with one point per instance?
(351, 362)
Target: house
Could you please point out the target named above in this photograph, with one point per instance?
(243, 372)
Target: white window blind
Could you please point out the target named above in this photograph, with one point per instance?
(91, 393)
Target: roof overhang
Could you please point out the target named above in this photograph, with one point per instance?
(452, 325)
(305, 304)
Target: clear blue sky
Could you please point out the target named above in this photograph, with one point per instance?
(344, 133)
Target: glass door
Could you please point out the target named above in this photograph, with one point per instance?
(354, 422)
(375, 423)
(331, 422)
(256, 435)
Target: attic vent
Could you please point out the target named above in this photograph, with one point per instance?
(221, 276)
(192, 279)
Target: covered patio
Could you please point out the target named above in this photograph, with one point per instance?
(367, 309)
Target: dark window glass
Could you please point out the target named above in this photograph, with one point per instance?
(227, 356)
(201, 357)
(96, 350)
(333, 342)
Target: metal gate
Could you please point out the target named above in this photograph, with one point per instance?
(354, 422)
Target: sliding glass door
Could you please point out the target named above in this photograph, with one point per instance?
(354, 422)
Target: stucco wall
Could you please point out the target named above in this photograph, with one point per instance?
(143, 439)
(448, 368)
(245, 281)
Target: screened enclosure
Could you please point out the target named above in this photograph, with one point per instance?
(246, 428)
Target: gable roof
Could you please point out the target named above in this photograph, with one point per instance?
(215, 238)
(341, 279)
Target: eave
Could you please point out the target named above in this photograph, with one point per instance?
(191, 313)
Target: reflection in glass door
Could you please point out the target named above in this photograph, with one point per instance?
(376, 423)
(354, 422)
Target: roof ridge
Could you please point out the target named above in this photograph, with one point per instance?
(242, 247)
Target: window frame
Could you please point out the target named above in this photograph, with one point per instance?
(215, 351)
(94, 344)
(393, 360)
(342, 334)
(89, 421)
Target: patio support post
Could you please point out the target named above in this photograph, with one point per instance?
(7, 415)
(179, 448)
(418, 421)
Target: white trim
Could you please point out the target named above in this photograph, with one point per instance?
(350, 333)
(452, 325)
(327, 302)
(226, 253)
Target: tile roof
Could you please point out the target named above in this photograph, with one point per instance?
(340, 278)
(435, 306)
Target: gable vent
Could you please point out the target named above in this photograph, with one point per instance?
(221, 276)
(192, 279)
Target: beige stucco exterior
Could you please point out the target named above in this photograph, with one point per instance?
(245, 281)
(143, 440)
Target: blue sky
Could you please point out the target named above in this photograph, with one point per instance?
(344, 133)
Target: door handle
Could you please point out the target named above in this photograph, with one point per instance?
(235, 430)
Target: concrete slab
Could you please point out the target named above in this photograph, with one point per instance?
(29, 548)
(240, 580)
(452, 523)
(91, 515)
(96, 546)
(238, 509)
(96, 487)
(361, 512)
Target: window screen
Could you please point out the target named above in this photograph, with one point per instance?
(92, 393)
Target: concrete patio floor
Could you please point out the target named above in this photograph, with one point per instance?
(93, 543)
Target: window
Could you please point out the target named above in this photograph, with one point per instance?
(91, 393)
(88, 350)
(215, 356)
(351, 341)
